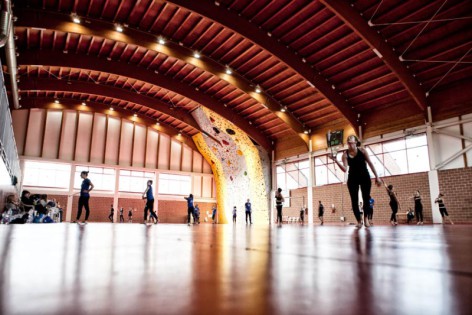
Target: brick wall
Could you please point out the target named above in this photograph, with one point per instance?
(99, 208)
(174, 211)
(404, 185)
(455, 184)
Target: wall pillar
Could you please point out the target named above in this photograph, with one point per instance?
(70, 195)
(433, 177)
(311, 165)
(116, 195)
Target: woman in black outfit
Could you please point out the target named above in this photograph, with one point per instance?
(279, 200)
(394, 204)
(442, 208)
(418, 207)
(357, 159)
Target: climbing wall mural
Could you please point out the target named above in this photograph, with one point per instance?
(239, 167)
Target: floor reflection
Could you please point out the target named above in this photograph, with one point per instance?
(226, 269)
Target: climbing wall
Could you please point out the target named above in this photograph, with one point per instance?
(239, 171)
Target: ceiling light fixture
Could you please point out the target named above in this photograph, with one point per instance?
(161, 40)
(84, 104)
(258, 89)
(56, 101)
(75, 18)
(118, 27)
(197, 55)
(135, 115)
(228, 70)
(283, 109)
(111, 108)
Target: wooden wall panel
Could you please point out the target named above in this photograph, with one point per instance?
(113, 140)
(206, 167)
(52, 134)
(34, 138)
(139, 146)
(20, 125)
(151, 148)
(98, 138)
(175, 155)
(186, 158)
(164, 152)
(84, 137)
(67, 145)
(197, 186)
(206, 186)
(126, 142)
(197, 162)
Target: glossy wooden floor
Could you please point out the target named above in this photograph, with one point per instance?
(209, 269)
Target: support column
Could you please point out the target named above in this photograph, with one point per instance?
(116, 195)
(274, 188)
(433, 176)
(311, 172)
(70, 195)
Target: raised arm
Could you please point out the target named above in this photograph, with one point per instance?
(342, 166)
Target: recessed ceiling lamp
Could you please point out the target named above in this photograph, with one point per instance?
(75, 18)
(118, 27)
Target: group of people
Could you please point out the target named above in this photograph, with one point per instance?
(193, 211)
(111, 217)
(354, 161)
(30, 208)
(248, 211)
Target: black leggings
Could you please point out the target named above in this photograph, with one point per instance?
(279, 213)
(190, 212)
(419, 214)
(394, 207)
(83, 202)
(149, 206)
(353, 186)
(248, 214)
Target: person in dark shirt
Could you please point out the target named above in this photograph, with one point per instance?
(418, 207)
(357, 159)
(214, 214)
(235, 213)
(371, 210)
(394, 204)
(84, 198)
(320, 212)
(279, 200)
(130, 215)
(442, 208)
(196, 215)
(148, 195)
(248, 208)
(112, 214)
(26, 201)
(122, 219)
(190, 207)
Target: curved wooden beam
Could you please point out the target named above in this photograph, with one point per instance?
(39, 19)
(95, 107)
(34, 84)
(354, 20)
(58, 59)
(243, 27)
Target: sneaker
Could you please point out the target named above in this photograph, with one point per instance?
(358, 225)
(392, 223)
(396, 223)
(419, 223)
(85, 222)
(371, 223)
(189, 224)
(366, 223)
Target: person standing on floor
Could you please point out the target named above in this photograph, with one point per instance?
(130, 215)
(196, 215)
(235, 213)
(190, 207)
(112, 214)
(122, 219)
(357, 159)
(394, 204)
(302, 214)
(371, 210)
(148, 195)
(279, 200)
(84, 198)
(248, 208)
(418, 207)
(320, 211)
(442, 208)
(214, 214)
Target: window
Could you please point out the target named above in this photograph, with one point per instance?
(326, 171)
(134, 181)
(174, 184)
(42, 174)
(101, 178)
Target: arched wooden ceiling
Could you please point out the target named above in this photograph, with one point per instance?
(326, 62)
